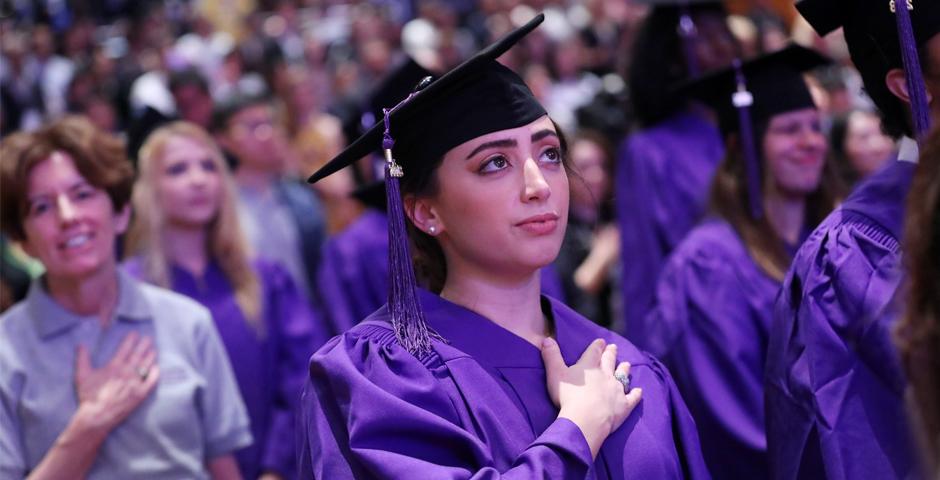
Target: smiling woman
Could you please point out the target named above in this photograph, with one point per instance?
(97, 373)
(483, 377)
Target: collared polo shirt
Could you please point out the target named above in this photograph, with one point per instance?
(194, 414)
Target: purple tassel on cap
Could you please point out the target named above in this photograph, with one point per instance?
(915, 83)
(742, 100)
(408, 322)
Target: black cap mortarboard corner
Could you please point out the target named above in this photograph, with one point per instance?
(881, 37)
(478, 97)
(748, 94)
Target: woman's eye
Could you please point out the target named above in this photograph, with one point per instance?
(494, 164)
(38, 208)
(84, 193)
(208, 165)
(176, 169)
(551, 155)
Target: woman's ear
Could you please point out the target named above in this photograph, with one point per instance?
(423, 215)
(896, 81)
(122, 220)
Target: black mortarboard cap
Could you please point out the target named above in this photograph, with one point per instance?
(775, 82)
(397, 85)
(478, 97)
(875, 42)
(746, 95)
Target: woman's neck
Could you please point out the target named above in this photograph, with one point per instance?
(513, 305)
(94, 295)
(786, 214)
(187, 248)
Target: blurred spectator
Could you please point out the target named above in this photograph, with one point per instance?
(859, 146)
(282, 217)
(192, 97)
(186, 236)
(592, 241)
(101, 376)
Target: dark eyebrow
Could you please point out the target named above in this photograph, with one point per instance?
(543, 134)
(503, 143)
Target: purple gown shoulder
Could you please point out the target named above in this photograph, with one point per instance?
(710, 325)
(833, 384)
(476, 407)
(661, 183)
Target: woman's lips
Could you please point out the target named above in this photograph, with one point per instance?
(542, 224)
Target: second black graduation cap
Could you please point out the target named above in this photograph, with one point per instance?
(775, 82)
(477, 97)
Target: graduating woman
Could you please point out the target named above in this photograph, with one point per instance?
(471, 378)
(663, 169)
(186, 237)
(101, 376)
(714, 300)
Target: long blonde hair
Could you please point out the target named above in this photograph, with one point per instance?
(225, 241)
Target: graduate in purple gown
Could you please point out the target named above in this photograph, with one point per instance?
(714, 299)
(663, 170)
(186, 237)
(833, 382)
(470, 378)
(918, 329)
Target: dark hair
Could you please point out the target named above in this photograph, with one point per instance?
(99, 157)
(427, 256)
(729, 200)
(895, 114)
(838, 133)
(918, 331)
(233, 105)
(189, 77)
(658, 63)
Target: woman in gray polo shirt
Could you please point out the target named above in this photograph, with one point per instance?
(101, 376)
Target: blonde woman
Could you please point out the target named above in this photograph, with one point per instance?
(186, 237)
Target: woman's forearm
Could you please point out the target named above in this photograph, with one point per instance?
(74, 451)
(224, 468)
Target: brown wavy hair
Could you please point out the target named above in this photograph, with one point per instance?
(918, 331)
(729, 200)
(99, 157)
(226, 243)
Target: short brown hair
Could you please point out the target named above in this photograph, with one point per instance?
(99, 157)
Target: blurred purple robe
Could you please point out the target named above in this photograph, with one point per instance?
(662, 179)
(834, 385)
(709, 326)
(270, 367)
(477, 407)
(353, 272)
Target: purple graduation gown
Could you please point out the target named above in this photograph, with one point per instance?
(353, 272)
(270, 368)
(661, 184)
(477, 407)
(834, 385)
(709, 326)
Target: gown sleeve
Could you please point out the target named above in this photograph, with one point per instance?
(709, 326)
(373, 410)
(297, 331)
(834, 381)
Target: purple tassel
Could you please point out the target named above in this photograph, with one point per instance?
(915, 84)
(689, 36)
(408, 322)
(742, 100)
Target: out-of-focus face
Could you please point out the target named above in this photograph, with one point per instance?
(589, 163)
(253, 137)
(70, 224)
(794, 152)
(866, 146)
(190, 183)
(715, 46)
(501, 205)
(194, 105)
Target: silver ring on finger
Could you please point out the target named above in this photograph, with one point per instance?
(143, 372)
(624, 380)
